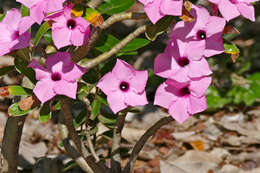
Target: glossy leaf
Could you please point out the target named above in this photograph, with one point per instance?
(21, 66)
(14, 110)
(115, 6)
(95, 109)
(19, 90)
(42, 30)
(45, 113)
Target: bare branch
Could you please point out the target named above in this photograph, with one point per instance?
(94, 3)
(141, 142)
(91, 146)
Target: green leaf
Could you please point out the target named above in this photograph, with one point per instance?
(107, 119)
(154, 30)
(48, 36)
(135, 44)
(45, 113)
(21, 66)
(14, 110)
(91, 76)
(231, 49)
(214, 99)
(25, 11)
(127, 53)
(2, 16)
(19, 91)
(115, 6)
(80, 119)
(42, 30)
(57, 106)
(102, 100)
(95, 109)
(106, 42)
(68, 166)
(5, 70)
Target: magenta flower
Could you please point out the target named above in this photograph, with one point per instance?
(40, 8)
(183, 99)
(156, 9)
(205, 31)
(67, 30)
(231, 9)
(124, 86)
(58, 78)
(179, 63)
(14, 32)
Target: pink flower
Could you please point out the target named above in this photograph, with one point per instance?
(231, 9)
(179, 63)
(40, 8)
(14, 31)
(156, 9)
(124, 86)
(205, 31)
(58, 78)
(183, 99)
(67, 30)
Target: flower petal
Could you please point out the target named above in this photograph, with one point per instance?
(180, 75)
(37, 12)
(74, 73)
(28, 3)
(228, 10)
(116, 101)
(25, 24)
(44, 90)
(199, 86)
(138, 82)
(54, 5)
(12, 18)
(77, 37)
(61, 37)
(153, 11)
(179, 110)
(215, 25)
(108, 83)
(41, 73)
(123, 71)
(214, 45)
(59, 62)
(134, 99)
(171, 7)
(246, 10)
(66, 88)
(196, 104)
(23, 41)
(198, 69)
(194, 49)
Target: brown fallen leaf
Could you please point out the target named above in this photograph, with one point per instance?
(197, 145)
(28, 103)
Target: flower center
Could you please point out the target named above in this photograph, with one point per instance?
(183, 61)
(124, 86)
(71, 24)
(56, 76)
(15, 35)
(201, 35)
(184, 91)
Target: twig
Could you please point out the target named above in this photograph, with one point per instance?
(122, 16)
(94, 62)
(141, 142)
(94, 3)
(115, 160)
(91, 146)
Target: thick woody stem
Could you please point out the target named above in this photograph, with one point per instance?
(101, 58)
(141, 142)
(115, 160)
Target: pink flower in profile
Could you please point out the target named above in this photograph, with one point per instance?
(67, 30)
(179, 63)
(58, 78)
(206, 32)
(40, 8)
(14, 32)
(231, 9)
(124, 86)
(157, 9)
(183, 99)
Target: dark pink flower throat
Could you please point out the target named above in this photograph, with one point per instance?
(201, 35)
(71, 24)
(183, 61)
(56, 76)
(124, 86)
(184, 91)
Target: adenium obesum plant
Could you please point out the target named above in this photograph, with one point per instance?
(69, 52)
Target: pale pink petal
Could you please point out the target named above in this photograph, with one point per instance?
(138, 82)
(134, 99)
(108, 83)
(61, 37)
(29, 3)
(4, 48)
(228, 10)
(41, 73)
(77, 37)
(196, 104)
(199, 86)
(171, 7)
(44, 90)
(5, 34)
(198, 69)
(214, 45)
(116, 101)
(164, 95)
(82, 24)
(194, 50)
(12, 18)
(37, 12)
(59, 62)
(153, 11)
(179, 109)
(175, 84)
(182, 30)
(123, 71)
(201, 15)
(66, 88)
(74, 73)
(180, 75)
(246, 10)
(54, 5)
(25, 24)
(23, 41)
(165, 66)
(215, 25)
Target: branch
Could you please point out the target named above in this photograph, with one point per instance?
(91, 146)
(141, 142)
(115, 160)
(122, 16)
(94, 62)
(94, 3)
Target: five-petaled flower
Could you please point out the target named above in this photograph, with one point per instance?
(183, 99)
(156, 9)
(206, 32)
(40, 8)
(58, 78)
(14, 32)
(231, 9)
(68, 30)
(179, 63)
(124, 86)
